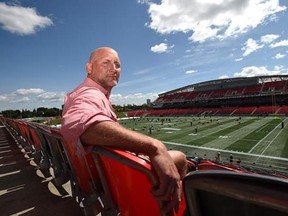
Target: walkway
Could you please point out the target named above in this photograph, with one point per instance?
(23, 188)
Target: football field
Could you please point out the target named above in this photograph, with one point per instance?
(259, 142)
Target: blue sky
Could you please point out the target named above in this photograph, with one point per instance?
(163, 45)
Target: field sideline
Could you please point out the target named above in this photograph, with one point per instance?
(260, 142)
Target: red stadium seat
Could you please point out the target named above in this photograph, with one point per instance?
(85, 181)
(210, 165)
(225, 193)
(52, 143)
(127, 181)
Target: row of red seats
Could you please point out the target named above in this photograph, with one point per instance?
(262, 110)
(102, 179)
(275, 86)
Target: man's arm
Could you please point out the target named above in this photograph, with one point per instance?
(109, 133)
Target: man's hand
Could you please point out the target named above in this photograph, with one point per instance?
(169, 190)
(111, 134)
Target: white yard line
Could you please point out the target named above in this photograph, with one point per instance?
(227, 151)
(265, 138)
(270, 142)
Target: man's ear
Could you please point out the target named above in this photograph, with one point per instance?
(88, 68)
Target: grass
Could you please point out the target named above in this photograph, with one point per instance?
(250, 140)
(285, 150)
(258, 141)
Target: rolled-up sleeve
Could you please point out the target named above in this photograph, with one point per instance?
(82, 109)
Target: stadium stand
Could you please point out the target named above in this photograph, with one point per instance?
(264, 95)
(116, 182)
(100, 177)
(283, 110)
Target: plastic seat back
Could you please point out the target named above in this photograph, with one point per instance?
(59, 160)
(127, 181)
(214, 193)
(85, 183)
(210, 165)
(34, 137)
(83, 166)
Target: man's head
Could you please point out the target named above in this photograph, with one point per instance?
(104, 67)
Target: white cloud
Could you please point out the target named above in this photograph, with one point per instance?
(3, 98)
(137, 98)
(22, 20)
(29, 91)
(269, 38)
(31, 98)
(211, 19)
(52, 96)
(224, 77)
(279, 67)
(161, 48)
(138, 82)
(250, 47)
(279, 56)
(20, 100)
(259, 71)
(190, 71)
(279, 44)
(143, 1)
(144, 71)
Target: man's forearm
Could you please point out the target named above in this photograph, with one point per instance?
(109, 133)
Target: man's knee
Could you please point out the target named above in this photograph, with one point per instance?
(180, 161)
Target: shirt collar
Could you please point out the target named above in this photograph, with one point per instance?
(91, 83)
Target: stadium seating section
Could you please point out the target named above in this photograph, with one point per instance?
(248, 96)
(116, 182)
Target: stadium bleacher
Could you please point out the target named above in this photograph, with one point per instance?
(265, 95)
(96, 176)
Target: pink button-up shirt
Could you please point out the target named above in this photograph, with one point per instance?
(87, 104)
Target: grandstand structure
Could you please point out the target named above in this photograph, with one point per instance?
(262, 95)
(98, 178)
(107, 181)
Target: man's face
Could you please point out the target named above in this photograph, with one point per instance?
(105, 68)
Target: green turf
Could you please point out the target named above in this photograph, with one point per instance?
(257, 140)
(249, 141)
(284, 153)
